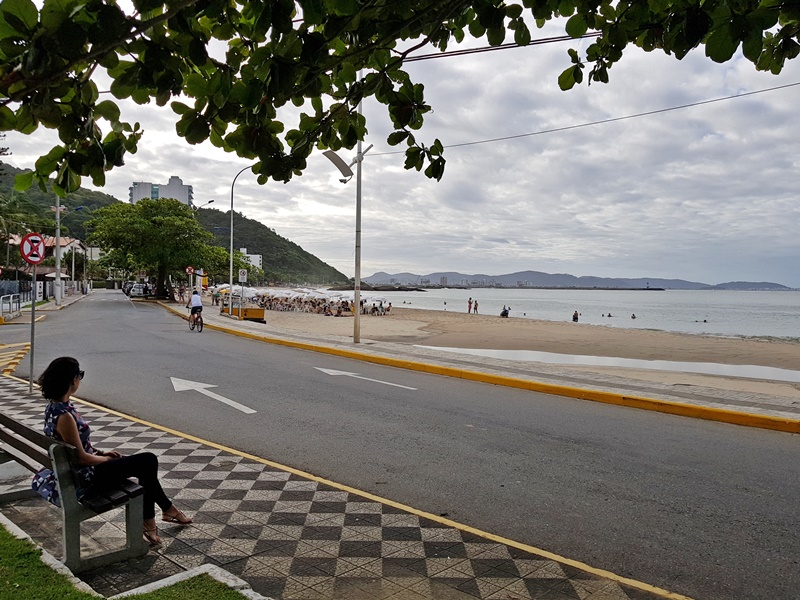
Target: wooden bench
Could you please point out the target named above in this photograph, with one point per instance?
(35, 450)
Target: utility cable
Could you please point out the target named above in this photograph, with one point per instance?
(602, 121)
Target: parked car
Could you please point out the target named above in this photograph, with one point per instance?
(139, 290)
(126, 287)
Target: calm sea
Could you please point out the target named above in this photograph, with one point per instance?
(724, 313)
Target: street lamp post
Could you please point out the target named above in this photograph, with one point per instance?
(347, 172)
(84, 286)
(57, 281)
(230, 282)
(8, 242)
(196, 208)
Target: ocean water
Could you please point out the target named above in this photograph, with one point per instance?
(707, 312)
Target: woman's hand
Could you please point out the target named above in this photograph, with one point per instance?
(112, 454)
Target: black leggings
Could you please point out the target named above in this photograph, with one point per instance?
(144, 467)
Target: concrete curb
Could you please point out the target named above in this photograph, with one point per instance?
(663, 406)
(217, 573)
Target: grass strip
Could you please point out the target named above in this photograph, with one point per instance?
(23, 575)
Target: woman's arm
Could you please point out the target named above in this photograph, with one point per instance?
(68, 430)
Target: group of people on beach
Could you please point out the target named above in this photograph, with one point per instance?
(472, 306)
(576, 316)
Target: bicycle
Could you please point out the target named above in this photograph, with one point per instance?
(197, 321)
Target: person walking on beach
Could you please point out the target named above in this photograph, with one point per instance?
(469, 306)
(475, 307)
(575, 316)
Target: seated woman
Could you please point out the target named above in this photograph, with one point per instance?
(61, 380)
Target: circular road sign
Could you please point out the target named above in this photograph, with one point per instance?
(189, 270)
(32, 248)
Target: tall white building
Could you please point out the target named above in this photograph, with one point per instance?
(154, 191)
(253, 259)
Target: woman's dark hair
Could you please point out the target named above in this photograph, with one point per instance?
(58, 376)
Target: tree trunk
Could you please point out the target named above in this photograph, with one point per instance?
(161, 281)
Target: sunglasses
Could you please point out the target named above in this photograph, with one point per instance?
(81, 374)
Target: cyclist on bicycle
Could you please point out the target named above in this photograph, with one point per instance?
(196, 303)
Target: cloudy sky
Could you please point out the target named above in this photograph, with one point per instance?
(707, 193)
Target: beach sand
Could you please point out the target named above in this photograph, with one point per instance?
(462, 330)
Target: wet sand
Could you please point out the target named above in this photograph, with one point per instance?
(462, 330)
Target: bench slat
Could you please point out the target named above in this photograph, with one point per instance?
(19, 447)
(33, 436)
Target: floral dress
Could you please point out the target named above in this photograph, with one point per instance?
(83, 475)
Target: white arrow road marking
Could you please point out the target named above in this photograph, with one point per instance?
(181, 385)
(357, 376)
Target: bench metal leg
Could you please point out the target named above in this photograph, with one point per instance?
(135, 544)
(134, 528)
(71, 543)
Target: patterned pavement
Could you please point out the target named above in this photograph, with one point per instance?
(291, 536)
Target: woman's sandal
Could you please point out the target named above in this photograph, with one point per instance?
(151, 535)
(178, 517)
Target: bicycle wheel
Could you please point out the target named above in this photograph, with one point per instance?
(191, 324)
(199, 323)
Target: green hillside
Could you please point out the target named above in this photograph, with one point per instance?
(283, 260)
(34, 200)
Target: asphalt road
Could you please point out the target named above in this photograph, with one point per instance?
(704, 509)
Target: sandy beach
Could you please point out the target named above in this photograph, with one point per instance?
(447, 329)
(462, 330)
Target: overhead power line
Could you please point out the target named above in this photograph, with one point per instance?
(482, 49)
(602, 121)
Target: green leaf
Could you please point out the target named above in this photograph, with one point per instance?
(24, 11)
(576, 26)
(566, 81)
(752, 45)
(196, 85)
(720, 45)
(197, 131)
(23, 181)
(347, 72)
(108, 110)
(8, 119)
(522, 35)
(476, 30)
(396, 137)
(180, 108)
(496, 35)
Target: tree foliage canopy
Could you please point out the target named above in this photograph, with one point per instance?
(161, 235)
(228, 66)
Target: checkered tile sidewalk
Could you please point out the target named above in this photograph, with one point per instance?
(294, 538)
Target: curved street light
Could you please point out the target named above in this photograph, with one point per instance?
(230, 282)
(347, 173)
(196, 208)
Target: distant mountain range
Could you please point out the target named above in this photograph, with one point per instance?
(537, 279)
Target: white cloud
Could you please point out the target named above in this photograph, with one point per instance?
(705, 193)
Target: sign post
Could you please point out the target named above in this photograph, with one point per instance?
(242, 280)
(189, 272)
(32, 249)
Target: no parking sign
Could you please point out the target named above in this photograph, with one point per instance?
(32, 248)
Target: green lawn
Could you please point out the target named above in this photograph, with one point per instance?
(23, 576)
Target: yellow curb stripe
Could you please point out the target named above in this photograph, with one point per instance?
(708, 413)
(374, 498)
